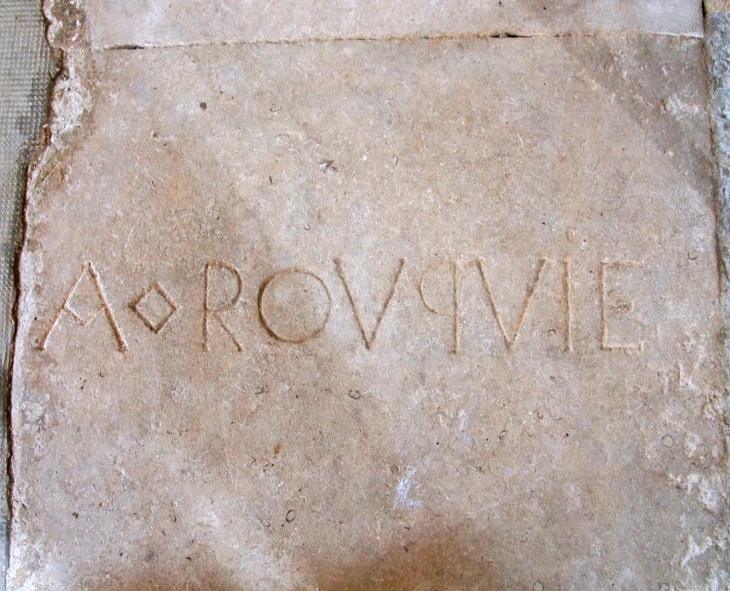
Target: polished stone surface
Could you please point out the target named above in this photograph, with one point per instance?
(404, 314)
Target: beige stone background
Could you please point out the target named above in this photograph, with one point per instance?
(183, 134)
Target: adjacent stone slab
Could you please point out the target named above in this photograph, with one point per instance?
(348, 315)
(161, 22)
(715, 6)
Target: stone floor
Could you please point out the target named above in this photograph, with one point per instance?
(355, 296)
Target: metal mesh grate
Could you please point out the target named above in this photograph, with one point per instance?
(25, 63)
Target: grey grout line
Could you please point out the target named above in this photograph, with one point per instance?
(414, 37)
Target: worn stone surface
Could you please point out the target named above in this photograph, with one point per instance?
(406, 314)
(162, 22)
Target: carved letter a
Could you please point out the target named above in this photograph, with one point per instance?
(87, 268)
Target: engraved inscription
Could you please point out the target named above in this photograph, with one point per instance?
(211, 311)
(623, 307)
(290, 307)
(87, 271)
(369, 339)
(531, 288)
(294, 304)
(151, 304)
(454, 312)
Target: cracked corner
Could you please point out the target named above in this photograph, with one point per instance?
(70, 100)
(71, 95)
(67, 24)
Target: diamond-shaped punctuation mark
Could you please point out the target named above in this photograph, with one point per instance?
(149, 307)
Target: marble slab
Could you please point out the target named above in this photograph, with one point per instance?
(182, 22)
(406, 314)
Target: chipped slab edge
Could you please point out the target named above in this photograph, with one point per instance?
(717, 25)
(29, 62)
(67, 102)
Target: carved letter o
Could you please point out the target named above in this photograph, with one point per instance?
(276, 295)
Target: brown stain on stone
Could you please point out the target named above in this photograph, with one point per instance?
(438, 554)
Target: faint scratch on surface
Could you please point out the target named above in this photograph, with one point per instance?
(694, 550)
(404, 488)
